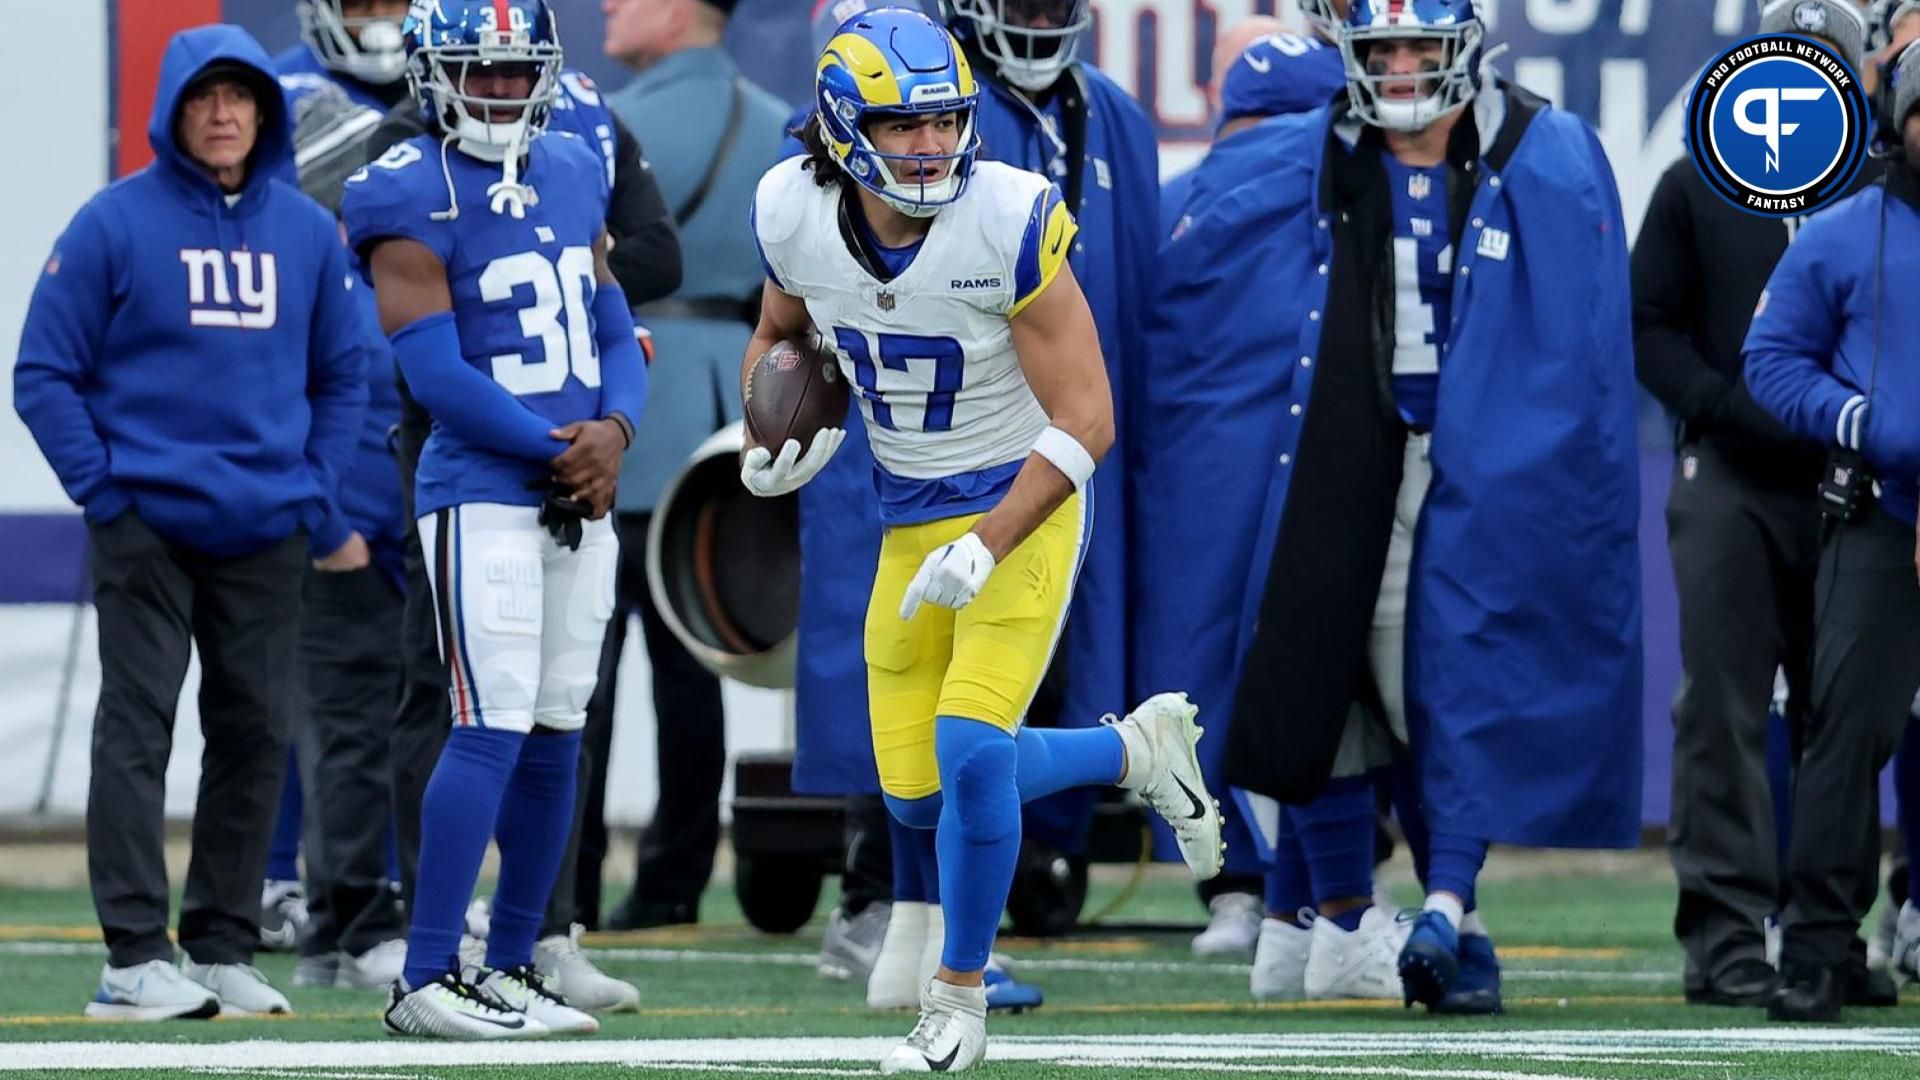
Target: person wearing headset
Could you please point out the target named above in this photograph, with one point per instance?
(1835, 355)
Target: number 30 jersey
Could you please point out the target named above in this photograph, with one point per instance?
(522, 289)
(929, 353)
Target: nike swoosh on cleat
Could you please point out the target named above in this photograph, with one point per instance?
(944, 1063)
(1199, 808)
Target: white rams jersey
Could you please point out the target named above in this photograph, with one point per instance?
(930, 353)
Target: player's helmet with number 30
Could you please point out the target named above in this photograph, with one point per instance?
(896, 62)
(446, 40)
(1443, 87)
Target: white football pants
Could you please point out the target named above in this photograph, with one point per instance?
(521, 617)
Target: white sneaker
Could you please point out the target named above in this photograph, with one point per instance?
(932, 948)
(473, 951)
(283, 915)
(850, 945)
(895, 982)
(317, 972)
(155, 990)
(1163, 769)
(375, 969)
(1233, 925)
(951, 1035)
(451, 1008)
(243, 991)
(523, 990)
(1360, 963)
(567, 970)
(479, 918)
(1280, 960)
(1906, 942)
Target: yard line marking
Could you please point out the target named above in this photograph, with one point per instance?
(1264, 1052)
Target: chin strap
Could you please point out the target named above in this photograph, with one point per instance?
(452, 212)
(510, 196)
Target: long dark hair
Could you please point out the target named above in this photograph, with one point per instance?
(826, 168)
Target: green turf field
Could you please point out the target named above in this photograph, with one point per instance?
(1592, 987)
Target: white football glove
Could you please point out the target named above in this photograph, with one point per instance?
(768, 476)
(952, 576)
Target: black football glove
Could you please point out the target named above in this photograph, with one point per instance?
(561, 514)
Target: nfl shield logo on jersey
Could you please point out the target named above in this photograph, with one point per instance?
(884, 299)
(1419, 186)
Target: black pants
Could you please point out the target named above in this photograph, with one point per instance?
(157, 599)
(350, 653)
(420, 724)
(1866, 668)
(677, 848)
(867, 876)
(1744, 557)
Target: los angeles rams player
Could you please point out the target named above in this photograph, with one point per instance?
(487, 252)
(941, 282)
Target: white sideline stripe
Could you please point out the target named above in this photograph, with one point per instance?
(1020, 964)
(1255, 1052)
(1319, 1070)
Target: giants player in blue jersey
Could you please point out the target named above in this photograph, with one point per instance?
(487, 250)
(352, 45)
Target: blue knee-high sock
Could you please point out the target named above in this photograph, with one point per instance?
(1780, 783)
(1906, 790)
(283, 859)
(908, 886)
(1403, 782)
(535, 817)
(1336, 832)
(926, 850)
(979, 835)
(1055, 759)
(1455, 865)
(457, 813)
(1289, 884)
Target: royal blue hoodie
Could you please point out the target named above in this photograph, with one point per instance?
(200, 363)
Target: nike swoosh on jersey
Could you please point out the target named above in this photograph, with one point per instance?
(1258, 63)
(1199, 808)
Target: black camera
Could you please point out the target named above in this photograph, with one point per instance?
(1846, 488)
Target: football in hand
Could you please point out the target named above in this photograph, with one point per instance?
(793, 391)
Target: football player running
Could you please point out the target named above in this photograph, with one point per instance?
(486, 247)
(941, 282)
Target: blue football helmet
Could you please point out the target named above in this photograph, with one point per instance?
(896, 62)
(367, 49)
(1449, 85)
(1027, 55)
(447, 39)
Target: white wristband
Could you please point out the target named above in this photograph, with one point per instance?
(1067, 455)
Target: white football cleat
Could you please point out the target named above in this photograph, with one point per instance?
(951, 1035)
(283, 915)
(479, 918)
(449, 1007)
(1906, 942)
(895, 982)
(850, 945)
(1280, 960)
(242, 990)
(1163, 768)
(375, 969)
(1233, 925)
(570, 974)
(1361, 963)
(523, 990)
(155, 990)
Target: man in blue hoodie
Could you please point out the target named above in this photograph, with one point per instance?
(1831, 354)
(193, 367)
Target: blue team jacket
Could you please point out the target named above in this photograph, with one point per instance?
(1811, 347)
(200, 363)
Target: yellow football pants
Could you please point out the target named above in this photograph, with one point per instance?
(983, 662)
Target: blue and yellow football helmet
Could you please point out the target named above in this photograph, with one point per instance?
(894, 62)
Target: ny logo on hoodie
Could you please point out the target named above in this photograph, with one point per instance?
(212, 296)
